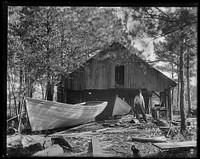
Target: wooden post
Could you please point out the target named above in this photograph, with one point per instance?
(169, 104)
(150, 105)
(55, 93)
(166, 105)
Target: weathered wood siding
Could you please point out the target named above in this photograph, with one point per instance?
(101, 75)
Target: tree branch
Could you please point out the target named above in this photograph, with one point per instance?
(162, 12)
(162, 60)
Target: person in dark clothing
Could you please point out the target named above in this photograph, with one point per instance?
(139, 105)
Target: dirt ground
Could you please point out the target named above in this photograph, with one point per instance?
(115, 138)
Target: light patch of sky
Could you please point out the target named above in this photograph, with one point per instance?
(146, 45)
(193, 80)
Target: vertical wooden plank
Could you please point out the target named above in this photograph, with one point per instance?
(105, 77)
(137, 76)
(84, 82)
(125, 76)
(96, 148)
(130, 72)
(169, 104)
(132, 75)
(101, 79)
(93, 79)
(166, 105)
(113, 75)
(150, 105)
(86, 78)
(108, 75)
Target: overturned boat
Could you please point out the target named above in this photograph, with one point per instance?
(120, 107)
(116, 107)
(44, 115)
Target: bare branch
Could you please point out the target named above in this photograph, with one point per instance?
(163, 60)
(162, 12)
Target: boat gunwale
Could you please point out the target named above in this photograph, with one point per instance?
(66, 105)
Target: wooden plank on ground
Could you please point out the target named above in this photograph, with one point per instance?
(153, 140)
(172, 145)
(96, 149)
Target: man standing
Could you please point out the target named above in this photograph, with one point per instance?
(139, 105)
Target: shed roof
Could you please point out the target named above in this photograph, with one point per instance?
(114, 51)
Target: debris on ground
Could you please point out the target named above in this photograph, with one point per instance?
(121, 137)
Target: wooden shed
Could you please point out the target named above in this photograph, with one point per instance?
(116, 71)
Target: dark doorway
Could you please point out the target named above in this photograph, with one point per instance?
(119, 75)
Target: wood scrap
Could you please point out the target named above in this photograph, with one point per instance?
(28, 140)
(175, 123)
(153, 140)
(96, 149)
(61, 140)
(79, 134)
(172, 145)
(161, 122)
(108, 125)
(111, 121)
(48, 142)
(121, 131)
(54, 150)
(12, 139)
(135, 121)
(81, 126)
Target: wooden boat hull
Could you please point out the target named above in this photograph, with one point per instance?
(120, 107)
(116, 106)
(44, 115)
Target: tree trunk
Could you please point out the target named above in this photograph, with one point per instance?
(42, 88)
(15, 101)
(28, 81)
(9, 95)
(55, 93)
(30, 87)
(182, 108)
(188, 86)
(49, 91)
(20, 90)
(63, 92)
(172, 95)
(178, 90)
(20, 104)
